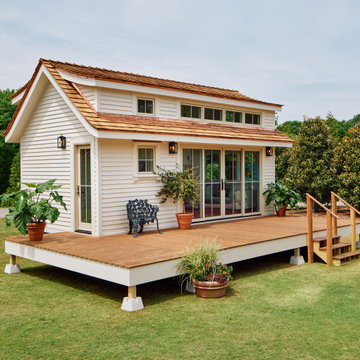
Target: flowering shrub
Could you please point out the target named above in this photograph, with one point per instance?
(200, 264)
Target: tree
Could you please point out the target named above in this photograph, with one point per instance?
(290, 128)
(281, 162)
(347, 162)
(7, 151)
(311, 169)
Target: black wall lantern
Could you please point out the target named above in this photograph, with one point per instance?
(173, 147)
(61, 142)
(269, 151)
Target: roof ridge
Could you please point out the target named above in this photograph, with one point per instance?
(136, 74)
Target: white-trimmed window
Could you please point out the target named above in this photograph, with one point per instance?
(213, 114)
(252, 119)
(233, 116)
(145, 106)
(146, 159)
(189, 111)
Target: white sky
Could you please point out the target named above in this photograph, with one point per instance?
(303, 54)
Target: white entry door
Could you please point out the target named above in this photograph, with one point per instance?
(83, 188)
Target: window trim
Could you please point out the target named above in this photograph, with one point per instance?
(145, 144)
(146, 99)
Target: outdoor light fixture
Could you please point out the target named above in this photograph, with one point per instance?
(269, 151)
(173, 147)
(61, 142)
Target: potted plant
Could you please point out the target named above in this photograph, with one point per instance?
(180, 186)
(282, 196)
(210, 279)
(31, 210)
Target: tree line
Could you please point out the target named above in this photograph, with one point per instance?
(325, 157)
(9, 153)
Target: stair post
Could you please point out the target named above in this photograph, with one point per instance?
(352, 230)
(334, 210)
(309, 235)
(329, 238)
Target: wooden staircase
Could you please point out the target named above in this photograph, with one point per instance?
(331, 248)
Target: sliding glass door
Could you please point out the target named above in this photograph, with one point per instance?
(252, 181)
(229, 182)
(232, 182)
(213, 182)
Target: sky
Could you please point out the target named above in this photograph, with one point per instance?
(302, 54)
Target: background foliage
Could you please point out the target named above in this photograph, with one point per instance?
(311, 167)
(7, 150)
(347, 162)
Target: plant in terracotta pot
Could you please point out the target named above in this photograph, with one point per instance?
(200, 266)
(282, 196)
(179, 186)
(31, 210)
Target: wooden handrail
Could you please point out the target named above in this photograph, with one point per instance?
(323, 206)
(346, 203)
(353, 213)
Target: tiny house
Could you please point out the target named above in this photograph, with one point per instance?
(102, 134)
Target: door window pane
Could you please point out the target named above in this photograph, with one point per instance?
(252, 182)
(192, 158)
(212, 166)
(85, 186)
(232, 182)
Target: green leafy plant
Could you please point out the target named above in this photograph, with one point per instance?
(200, 264)
(281, 195)
(347, 162)
(311, 169)
(31, 207)
(179, 185)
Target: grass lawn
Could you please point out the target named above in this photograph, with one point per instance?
(272, 311)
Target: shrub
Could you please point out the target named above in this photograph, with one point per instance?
(347, 162)
(311, 169)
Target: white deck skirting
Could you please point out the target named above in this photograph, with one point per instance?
(157, 271)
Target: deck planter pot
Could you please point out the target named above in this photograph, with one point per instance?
(184, 221)
(210, 289)
(282, 211)
(36, 231)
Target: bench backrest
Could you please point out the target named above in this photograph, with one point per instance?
(140, 208)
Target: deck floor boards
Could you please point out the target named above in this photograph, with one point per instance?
(150, 247)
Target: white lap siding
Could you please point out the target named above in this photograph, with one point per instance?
(41, 160)
(268, 120)
(268, 177)
(120, 183)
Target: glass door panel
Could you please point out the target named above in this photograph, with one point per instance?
(232, 182)
(252, 181)
(212, 168)
(84, 189)
(192, 158)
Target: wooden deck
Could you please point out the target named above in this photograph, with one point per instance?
(150, 247)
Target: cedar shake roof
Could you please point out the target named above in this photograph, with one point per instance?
(147, 124)
(136, 79)
(155, 125)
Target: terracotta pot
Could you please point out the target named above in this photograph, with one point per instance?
(210, 289)
(36, 231)
(184, 221)
(281, 211)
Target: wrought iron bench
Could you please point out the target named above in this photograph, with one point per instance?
(139, 213)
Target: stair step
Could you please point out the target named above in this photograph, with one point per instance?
(323, 238)
(346, 255)
(336, 246)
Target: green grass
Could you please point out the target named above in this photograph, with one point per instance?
(271, 311)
